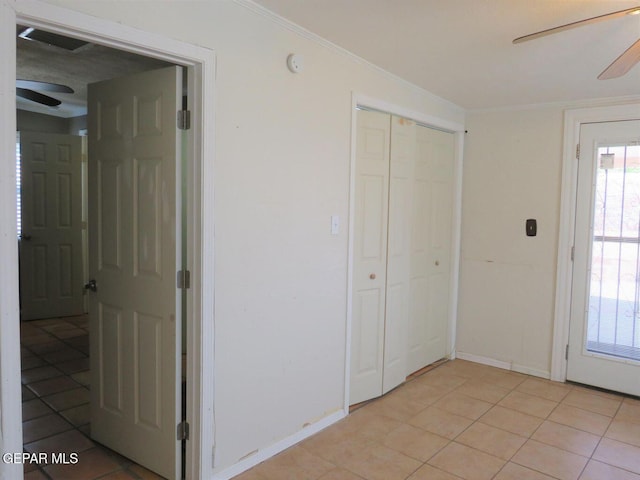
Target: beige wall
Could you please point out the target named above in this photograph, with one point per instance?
(512, 172)
(282, 169)
(38, 122)
(283, 146)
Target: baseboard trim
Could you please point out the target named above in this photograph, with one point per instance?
(492, 362)
(265, 453)
(534, 372)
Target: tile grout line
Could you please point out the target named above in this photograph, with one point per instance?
(514, 389)
(467, 379)
(58, 412)
(55, 410)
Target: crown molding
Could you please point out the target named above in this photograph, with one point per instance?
(323, 42)
(563, 105)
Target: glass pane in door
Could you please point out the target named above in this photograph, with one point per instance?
(613, 326)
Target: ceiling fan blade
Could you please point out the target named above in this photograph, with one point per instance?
(623, 63)
(580, 23)
(43, 86)
(37, 97)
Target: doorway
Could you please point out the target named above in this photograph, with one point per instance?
(604, 337)
(135, 231)
(200, 64)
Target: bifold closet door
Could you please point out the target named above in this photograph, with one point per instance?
(401, 166)
(402, 252)
(385, 154)
(431, 248)
(370, 255)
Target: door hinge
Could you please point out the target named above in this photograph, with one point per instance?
(183, 279)
(566, 352)
(578, 151)
(184, 119)
(183, 431)
(573, 253)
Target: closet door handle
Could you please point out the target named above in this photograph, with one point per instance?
(372, 276)
(437, 262)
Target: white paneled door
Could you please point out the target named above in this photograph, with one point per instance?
(604, 337)
(430, 296)
(401, 251)
(134, 225)
(401, 164)
(370, 255)
(51, 218)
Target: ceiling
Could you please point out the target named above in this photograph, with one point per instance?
(76, 69)
(462, 50)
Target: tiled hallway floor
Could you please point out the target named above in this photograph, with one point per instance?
(55, 403)
(469, 421)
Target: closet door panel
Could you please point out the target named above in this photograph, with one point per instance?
(370, 255)
(401, 265)
(431, 248)
(402, 159)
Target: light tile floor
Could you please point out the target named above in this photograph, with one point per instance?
(470, 421)
(459, 420)
(55, 404)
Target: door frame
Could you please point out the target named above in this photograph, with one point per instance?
(365, 101)
(573, 119)
(200, 63)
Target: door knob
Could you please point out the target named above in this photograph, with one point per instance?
(25, 237)
(91, 285)
(372, 276)
(437, 263)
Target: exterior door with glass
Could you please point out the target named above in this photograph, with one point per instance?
(604, 337)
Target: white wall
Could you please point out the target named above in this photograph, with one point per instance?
(282, 169)
(39, 122)
(512, 172)
(76, 124)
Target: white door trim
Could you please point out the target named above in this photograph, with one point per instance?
(360, 100)
(564, 274)
(200, 63)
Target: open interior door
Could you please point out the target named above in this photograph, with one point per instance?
(51, 219)
(134, 245)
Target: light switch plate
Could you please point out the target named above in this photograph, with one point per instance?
(335, 224)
